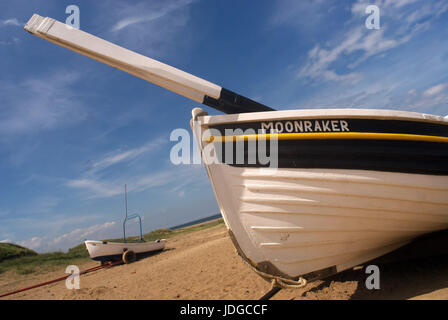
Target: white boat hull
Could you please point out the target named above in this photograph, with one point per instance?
(103, 250)
(304, 220)
(309, 222)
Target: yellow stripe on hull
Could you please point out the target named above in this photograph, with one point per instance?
(327, 135)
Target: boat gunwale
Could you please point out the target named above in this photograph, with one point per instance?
(349, 113)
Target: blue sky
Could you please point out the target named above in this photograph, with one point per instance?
(73, 131)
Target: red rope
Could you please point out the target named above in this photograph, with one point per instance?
(110, 264)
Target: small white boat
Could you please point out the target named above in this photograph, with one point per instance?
(107, 251)
(126, 251)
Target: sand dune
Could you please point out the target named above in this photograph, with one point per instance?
(204, 265)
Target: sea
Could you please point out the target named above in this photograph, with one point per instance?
(215, 216)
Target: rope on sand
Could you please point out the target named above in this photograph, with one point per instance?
(277, 282)
(110, 264)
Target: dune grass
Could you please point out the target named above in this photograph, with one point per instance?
(10, 251)
(44, 261)
(24, 261)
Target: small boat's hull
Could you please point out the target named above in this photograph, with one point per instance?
(311, 216)
(107, 251)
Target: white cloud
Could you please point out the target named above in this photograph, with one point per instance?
(95, 184)
(40, 205)
(358, 43)
(33, 243)
(73, 238)
(6, 241)
(385, 6)
(384, 94)
(320, 59)
(306, 16)
(82, 234)
(355, 40)
(142, 13)
(150, 27)
(96, 187)
(436, 89)
(14, 40)
(11, 22)
(39, 103)
(122, 156)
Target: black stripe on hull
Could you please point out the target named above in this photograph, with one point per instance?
(379, 155)
(118, 257)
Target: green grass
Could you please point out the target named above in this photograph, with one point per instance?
(25, 261)
(44, 261)
(10, 251)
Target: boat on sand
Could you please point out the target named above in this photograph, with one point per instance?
(127, 251)
(304, 193)
(111, 251)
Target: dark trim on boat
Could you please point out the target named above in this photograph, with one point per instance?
(118, 257)
(230, 102)
(379, 155)
(402, 154)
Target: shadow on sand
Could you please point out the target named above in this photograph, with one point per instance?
(418, 268)
(152, 253)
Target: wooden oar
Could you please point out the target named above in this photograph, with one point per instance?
(143, 67)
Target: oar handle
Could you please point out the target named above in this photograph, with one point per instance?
(166, 76)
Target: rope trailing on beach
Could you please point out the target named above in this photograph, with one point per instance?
(109, 264)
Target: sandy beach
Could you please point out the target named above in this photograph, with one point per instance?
(205, 265)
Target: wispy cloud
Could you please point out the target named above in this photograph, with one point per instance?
(433, 98)
(297, 13)
(40, 205)
(94, 184)
(320, 59)
(11, 22)
(121, 156)
(67, 240)
(97, 187)
(39, 103)
(143, 13)
(358, 43)
(386, 95)
(14, 40)
(81, 234)
(437, 89)
(32, 243)
(7, 37)
(150, 26)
